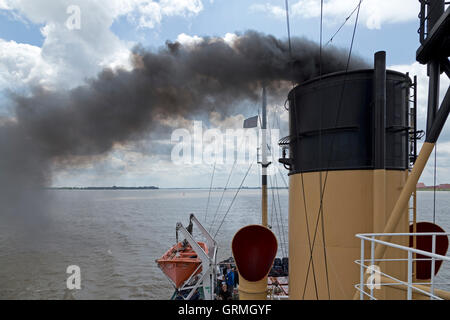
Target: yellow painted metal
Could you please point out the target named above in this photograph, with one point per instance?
(415, 231)
(379, 200)
(399, 211)
(264, 206)
(379, 206)
(354, 202)
(252, 290)
(403, 200)
(417, 295)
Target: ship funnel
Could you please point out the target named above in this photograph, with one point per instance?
(254, 250)
(349, 160)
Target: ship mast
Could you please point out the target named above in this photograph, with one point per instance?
(264, 161)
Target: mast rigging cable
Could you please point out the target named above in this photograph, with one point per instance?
(210, 188)
(343, 24)
(332, 142)
(320, 156)
(301, 173)
(234, 199)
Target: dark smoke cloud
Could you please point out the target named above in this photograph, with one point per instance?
(119, 106)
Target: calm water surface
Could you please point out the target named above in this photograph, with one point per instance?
(115, 237)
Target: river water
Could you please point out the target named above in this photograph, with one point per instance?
(115, 237)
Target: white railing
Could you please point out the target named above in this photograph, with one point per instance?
(370, 265)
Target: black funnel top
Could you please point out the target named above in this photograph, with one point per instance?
(335, 122)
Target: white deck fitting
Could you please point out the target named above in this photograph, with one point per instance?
(367, 264)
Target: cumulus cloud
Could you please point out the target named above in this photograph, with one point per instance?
(69, 56)
(149, 14)
(374, 13)
(273, 10)
(22, 64)
(187, 40)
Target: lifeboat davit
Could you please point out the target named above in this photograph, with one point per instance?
(180, 262)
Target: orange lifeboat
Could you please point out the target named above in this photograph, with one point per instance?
(180, 262)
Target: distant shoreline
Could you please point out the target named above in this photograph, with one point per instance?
(104, 188)
(217, 188)
(150, 188)
(432, 189)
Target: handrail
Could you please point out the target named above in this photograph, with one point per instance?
(397, 246)
(402, 234)
(409, 284)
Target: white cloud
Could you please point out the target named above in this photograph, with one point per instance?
(187, 40)
(230, 38)
(40, 11)
(149, 14)
(71, 55)
(4, 5)
(443, 171)
(273, 10)
(181, 7)
(22, 64)
(373, 13)
(419, 70)
(67, 57)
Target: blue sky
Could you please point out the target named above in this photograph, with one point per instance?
(36, 49)
(223, 16)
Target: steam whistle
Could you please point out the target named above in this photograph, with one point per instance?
(254, 250)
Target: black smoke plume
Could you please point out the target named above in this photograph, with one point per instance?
(119, 106)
